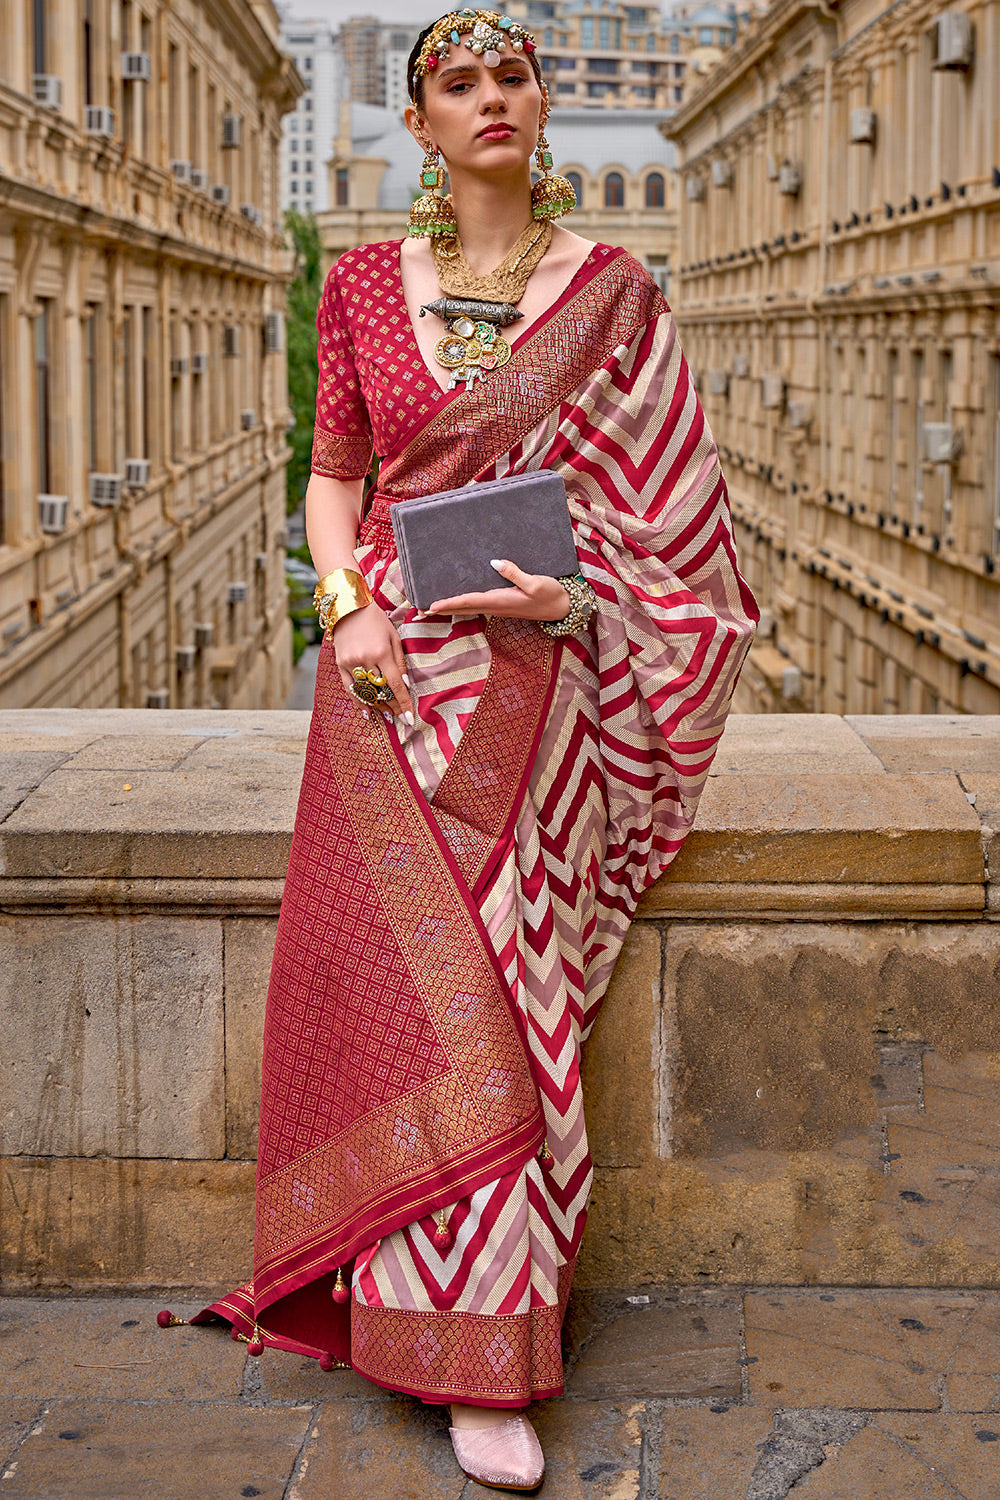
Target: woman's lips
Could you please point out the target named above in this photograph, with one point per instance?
(496, 133)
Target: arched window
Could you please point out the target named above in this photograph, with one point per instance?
(654, 190)
(576, 183)
(614, 190)
(342, 186)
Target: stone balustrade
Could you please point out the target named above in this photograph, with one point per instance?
(796, 1077)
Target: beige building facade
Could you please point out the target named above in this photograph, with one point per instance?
(839, 299)
(143, 398)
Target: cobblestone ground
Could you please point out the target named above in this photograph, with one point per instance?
(821, 1394)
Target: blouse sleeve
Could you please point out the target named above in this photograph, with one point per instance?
(342, 437)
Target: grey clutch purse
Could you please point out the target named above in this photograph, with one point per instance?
(445, 541)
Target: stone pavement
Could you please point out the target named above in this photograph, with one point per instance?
(700, 1394)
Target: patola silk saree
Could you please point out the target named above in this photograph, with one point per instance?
(459, 891)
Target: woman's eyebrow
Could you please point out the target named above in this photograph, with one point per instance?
(471, 68)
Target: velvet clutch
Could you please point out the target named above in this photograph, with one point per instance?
(445, 541)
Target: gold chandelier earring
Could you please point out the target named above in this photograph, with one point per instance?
(432, 214)
(551, 197)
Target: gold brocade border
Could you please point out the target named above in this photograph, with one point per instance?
(511, 1357)
(487, 1097)
(544, 368)
(340, 456)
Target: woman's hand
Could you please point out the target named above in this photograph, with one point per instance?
(367, 638)
(535, 596)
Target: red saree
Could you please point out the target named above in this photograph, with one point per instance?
(458, 892)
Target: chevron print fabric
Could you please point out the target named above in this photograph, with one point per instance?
(554, 784)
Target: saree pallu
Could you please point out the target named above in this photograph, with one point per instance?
(458, 891)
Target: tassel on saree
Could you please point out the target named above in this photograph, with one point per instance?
(341, 1291)
(443, 1236)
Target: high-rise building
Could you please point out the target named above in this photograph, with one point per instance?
(839, 299)
(143, 395)
(359, 41)
(307, 139)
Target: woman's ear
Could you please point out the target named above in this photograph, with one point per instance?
(417, 126)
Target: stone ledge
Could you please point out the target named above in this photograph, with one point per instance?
(803, 814)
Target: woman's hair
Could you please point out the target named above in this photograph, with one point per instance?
(416, 85)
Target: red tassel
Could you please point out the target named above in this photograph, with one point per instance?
(166, 1319)
(341, 1291)
(443, 1237)
(327, 1363)
(546, 1158)
(255, 1346)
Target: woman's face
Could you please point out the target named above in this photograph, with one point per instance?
(481, 119)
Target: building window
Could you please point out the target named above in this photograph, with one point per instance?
(547, 37)
(654, 190)
(38, 34)
(586, 32)
(675, 44)
(293, 165)
(576, 183)
(604, 32)
(706, 36)
(308, 187)
(293, 124)
(651, 42)
(148, 381)
(342, 184)
(565, 88)
(88, 52)
(993, 417)
(614, 190)
(604, 65)
(90, 385)
(293, 186)
(635, 15)
(602, 90)
(4, 364)
(562, 63)
(43, 393)
(678, 96)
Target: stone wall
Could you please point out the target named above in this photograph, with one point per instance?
(795, 1079)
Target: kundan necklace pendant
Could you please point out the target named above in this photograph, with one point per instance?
(473, 344)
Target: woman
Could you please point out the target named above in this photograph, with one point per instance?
(469, 850)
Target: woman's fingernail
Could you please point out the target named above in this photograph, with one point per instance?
(405, 678)
(408, 719)
(496, 562)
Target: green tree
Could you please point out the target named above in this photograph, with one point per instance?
(303, 300)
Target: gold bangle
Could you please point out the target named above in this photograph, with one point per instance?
(338, 594)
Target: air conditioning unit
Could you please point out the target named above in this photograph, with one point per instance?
(722, 172)
(46, 90)
(718, 382)
(158, 698)
(231, 130)
(791, 682)
(105, 489)
(274, 333)
(942, 444)
(799, 413)
(179, 366)
(136, 67)
(204, 635)
(694, 187)
(789, 178)
(741, 366)
(237, 593)
(186, 658)
(251, 212)
(181, 170)
(248, 419)
(199, 180)
(230, 340)
(137, 473)
(53, 512)
(863, 127)
(952, 42)
(772, 391)
(260, 561)
(281, 537)
(98, 120)
(220, 194)
(199, 364)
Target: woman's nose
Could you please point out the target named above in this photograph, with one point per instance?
(492, 96)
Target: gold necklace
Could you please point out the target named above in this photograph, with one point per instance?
(507, 281)
(475, 308)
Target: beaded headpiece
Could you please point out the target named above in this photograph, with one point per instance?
(487, 34)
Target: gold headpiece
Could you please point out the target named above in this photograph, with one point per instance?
(488, 33)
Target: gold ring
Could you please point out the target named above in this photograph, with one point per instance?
(370, 686)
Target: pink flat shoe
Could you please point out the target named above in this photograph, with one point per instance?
(506, 1457)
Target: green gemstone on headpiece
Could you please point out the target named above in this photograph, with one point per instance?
(505, 23)
(455, 37)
